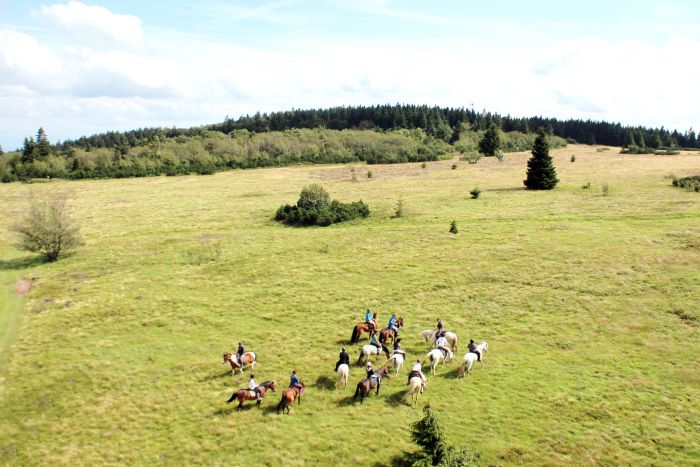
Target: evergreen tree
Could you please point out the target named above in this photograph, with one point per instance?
(43, 147)
(655, 140)
(490, 142)
(630, 140)
(640, 140)
(541, 174)
(692, 140)
(28, 150)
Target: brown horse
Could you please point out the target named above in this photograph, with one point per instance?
(288, 396)
(366, 385)
(386, 333)
(249, 395)
(247, 359)
(357, 332)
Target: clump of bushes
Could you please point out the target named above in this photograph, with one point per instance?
(453, 228)
(475, 193)
(692, 183)
(315, 207)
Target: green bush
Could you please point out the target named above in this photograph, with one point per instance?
(453, 227)
(315, 207)
(691, 183)
(475, 193)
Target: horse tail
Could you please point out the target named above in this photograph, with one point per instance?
(357, 392)
(355, 336)
(381, 337)
(280, 406)
(233, 396)
(359, 360)
(454, 346)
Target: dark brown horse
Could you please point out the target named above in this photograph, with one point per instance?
(288, 396)
(249, 395)
(366, 385)
(357, 332)
(247, 359)
(387, 333)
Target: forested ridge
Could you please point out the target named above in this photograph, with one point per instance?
(374, 134)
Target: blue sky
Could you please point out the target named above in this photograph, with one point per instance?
(80, 67)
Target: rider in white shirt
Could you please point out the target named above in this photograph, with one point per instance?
(416, 370)
(252, 385)
(441, 344)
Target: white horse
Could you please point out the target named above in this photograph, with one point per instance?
(343, 374)
(429, 336)
(416, 388)
(435, 356)
(368, 350)
(470, 358)
(397, 360)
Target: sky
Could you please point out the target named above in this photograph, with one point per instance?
(82, 67)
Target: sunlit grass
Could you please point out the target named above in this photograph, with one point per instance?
(589, 304)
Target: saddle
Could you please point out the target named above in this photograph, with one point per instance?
(376, 377)
(444, 352)
(414, 374)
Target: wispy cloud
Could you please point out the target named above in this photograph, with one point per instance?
(385, 8)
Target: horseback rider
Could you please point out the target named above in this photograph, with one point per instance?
(239, 353)
(373, 341)
(252, 386)
(439, 326)
(343, 358)
(369, 369)
(393, 325)
(397, 347)
(294, 381)
(441, 344)
(473, 349)
(369, 320)
(416, 370)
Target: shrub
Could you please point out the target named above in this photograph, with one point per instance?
(454, 166)
(315, 207)
(398, 212)
(691, 183)
(48, 228)
(586, 186)
(602, 149)
(500, 155)
(424, 165)
(369, 174)
(453, 227)
(605, 189)
(573, 158)
(353, 175)
(475, 193)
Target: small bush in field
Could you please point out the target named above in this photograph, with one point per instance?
(315, 207)
(369, 174)
(475, 193)
(423, 165)
(453, 227)
(398, 212)
(454, 166)
(586, 186)
(573, 158)
(605, 189)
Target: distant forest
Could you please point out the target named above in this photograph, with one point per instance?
(439, 122)
(374, 135)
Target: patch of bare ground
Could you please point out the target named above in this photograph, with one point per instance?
(23, 286)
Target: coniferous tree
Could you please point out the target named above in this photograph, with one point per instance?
(28, 151)
(43, 147)
(490, 142)
(541, 174)
(630, 140)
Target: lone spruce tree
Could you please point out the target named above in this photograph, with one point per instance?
(490, 142)
(541, 174)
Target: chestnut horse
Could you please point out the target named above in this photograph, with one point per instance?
(366, 385)
(386, 333)
(288, 396)
(247, 359)
(357, 332)
(249, 395)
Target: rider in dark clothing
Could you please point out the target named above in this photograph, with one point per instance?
(472, 348)
(343, 358)
(439, 326)
(240, 352)
(294, 381)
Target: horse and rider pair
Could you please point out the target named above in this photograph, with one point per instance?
(372, 320)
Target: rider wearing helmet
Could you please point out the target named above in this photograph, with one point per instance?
(397, 347)
(473, 349)
(441, 344)
(393, 325)
(343, 358)
(369, 369)
(254, 387)
(294, 381)
(416, 370)
(239, 353)
(439, 326)
(369, 320)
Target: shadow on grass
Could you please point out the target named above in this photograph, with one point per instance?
(22, 263)
(514, 188)
(213, 377)
(325, 382)
(396, 461)
(396, 399)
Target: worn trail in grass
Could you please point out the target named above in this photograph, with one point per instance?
(589, 304)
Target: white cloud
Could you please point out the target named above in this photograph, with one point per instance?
(89, 23)
(24, 61)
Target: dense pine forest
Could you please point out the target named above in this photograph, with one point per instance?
(374, 134)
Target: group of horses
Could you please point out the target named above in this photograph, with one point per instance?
(248, 359)
(416, 384)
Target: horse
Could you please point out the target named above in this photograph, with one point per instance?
(343, 373)
(386, 333)
(249, 394)
(367, 350)
(429, 336)
(435, 356)
(288, 396)
(366, 385)
(470, 358)
(247, 359)
(357, 332)
(416, 388)
(397, 360)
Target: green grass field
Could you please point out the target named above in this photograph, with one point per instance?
(590, 305)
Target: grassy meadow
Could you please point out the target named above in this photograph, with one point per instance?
(590, 304)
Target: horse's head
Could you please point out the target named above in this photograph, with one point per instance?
(269, 385)
(400, 322)
(486, 345)
(227, 357)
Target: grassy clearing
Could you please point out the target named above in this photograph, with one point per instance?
(589, 304)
